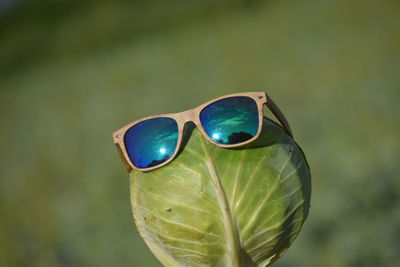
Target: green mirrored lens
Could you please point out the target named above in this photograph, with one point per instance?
(151, 142)
(231, 120)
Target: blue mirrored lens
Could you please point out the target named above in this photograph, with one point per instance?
(151, 142)
(231, 120)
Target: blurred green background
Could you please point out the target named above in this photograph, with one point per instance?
(72, 72)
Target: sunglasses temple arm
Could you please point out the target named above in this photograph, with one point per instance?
(279, 115)
(127, 167)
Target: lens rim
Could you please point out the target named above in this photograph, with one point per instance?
(259, 101)
(169, 120)
(120, 137)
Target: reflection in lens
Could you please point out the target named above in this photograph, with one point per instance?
(231, 120)
(151, 142)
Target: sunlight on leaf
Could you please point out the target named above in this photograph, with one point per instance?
(213, 206)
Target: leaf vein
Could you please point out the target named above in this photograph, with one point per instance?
(182, 225)
(249, 181)
(198, 196)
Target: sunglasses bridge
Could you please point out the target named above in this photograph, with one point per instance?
(190, 115)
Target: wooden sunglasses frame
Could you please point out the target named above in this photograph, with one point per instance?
(193, 115)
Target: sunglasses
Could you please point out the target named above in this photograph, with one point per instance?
(228, 121)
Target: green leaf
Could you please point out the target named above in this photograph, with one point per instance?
(213, 206)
